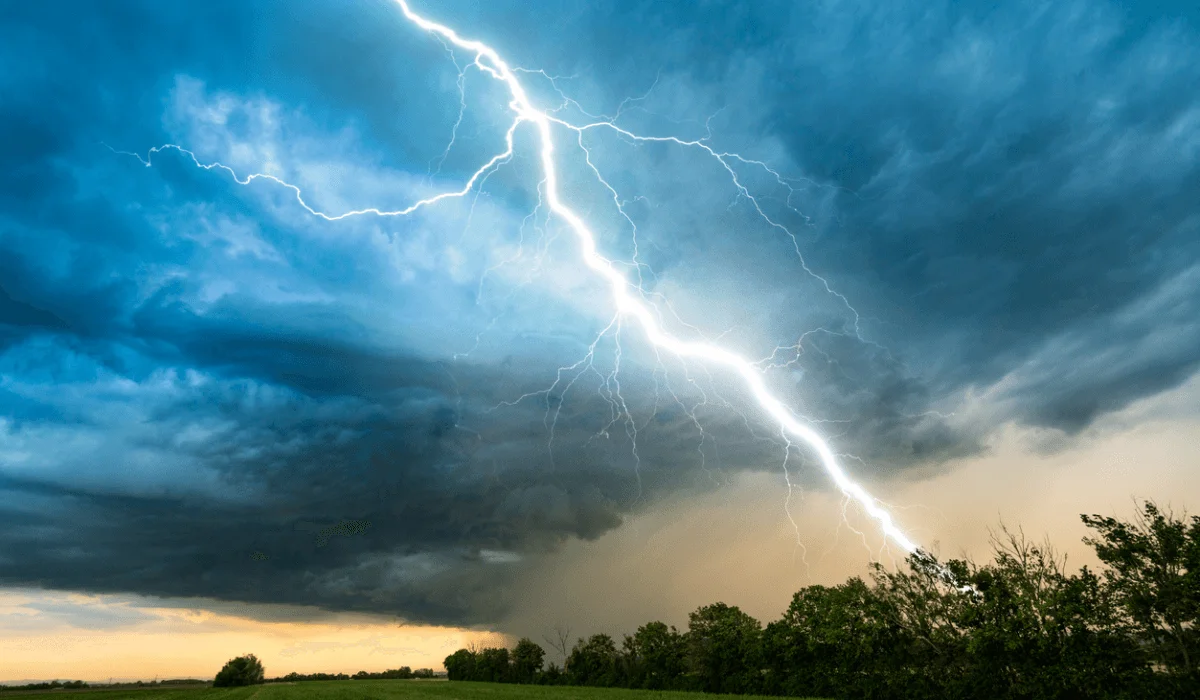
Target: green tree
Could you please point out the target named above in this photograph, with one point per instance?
(925, 604)
(244, 670)
(654, 656)
(835, 641)
(1154, 570)
(1038, 632)
(723, 651)
(493, 665)
(527, 659)
(460, 666)
(594, 661)
(1019, 626)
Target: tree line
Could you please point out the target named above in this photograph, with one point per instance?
(47, 685)
(77, 685)
(402, 673)
(1020, 626)
(248, 670)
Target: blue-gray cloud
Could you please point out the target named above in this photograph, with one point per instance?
(193, 372)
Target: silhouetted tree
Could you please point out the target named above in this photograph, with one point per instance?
(654, 657)
(527, 658)
(244, 670)
(594, 661)
(838, 640)
(460, 666)
(493, 665)
(560, 640)
(1154, 570)
(723, 651)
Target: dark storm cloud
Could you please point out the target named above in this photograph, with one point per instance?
(1032, 201)
(1005, 191)
(196, 380)
(151, 448)
(236, 468)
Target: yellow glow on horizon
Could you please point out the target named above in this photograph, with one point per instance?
(46, 635)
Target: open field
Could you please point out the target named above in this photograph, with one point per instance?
(374, 690)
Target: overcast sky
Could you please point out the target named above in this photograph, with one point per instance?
(963, 240)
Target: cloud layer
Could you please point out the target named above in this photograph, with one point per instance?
(197, 378)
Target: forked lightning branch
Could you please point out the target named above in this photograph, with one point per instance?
(627, 295)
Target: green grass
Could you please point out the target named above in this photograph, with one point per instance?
(377, 690)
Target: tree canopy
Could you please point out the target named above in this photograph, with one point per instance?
(243, 670)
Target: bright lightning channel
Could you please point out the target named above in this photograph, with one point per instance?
(488, 61)
(630, 305)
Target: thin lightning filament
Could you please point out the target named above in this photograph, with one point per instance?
(489, 61)
(624, 291)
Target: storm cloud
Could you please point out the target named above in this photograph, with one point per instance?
(990, 219)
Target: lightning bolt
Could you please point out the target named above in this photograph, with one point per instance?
(627, 303)
(625, 293)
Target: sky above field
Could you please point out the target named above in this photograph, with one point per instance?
(961, 241)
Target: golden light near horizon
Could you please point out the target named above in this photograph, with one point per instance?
(46, 635)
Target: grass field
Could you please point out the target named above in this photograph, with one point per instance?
(372, 690)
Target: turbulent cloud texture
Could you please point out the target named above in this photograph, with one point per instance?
(987, 215)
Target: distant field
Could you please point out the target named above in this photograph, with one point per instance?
(372, 690)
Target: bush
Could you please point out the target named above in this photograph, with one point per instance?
(244, 670)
